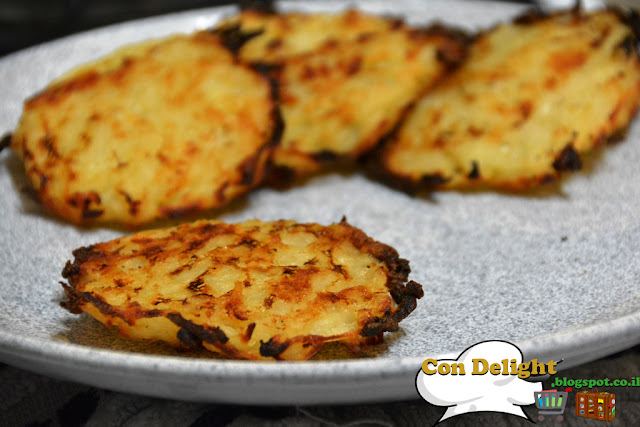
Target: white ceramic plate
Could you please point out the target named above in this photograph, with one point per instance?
(557, 274)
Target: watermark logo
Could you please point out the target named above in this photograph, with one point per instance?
(488, 376)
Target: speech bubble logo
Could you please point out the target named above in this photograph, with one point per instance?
(462, 386)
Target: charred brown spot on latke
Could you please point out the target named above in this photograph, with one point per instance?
(5, 141)
(190, 340)
(272, 348)
(568, 159)
(455, 43)
(77, 300)
(84, 200)
(629, 45)
(72, 303)
(198, 332)
(325, 156)
(629, 17)
(91, 213)
(181, 211)
(354, 66)
(134, 205)
(233, 37)
(406, 297)
(617, 135)
(430, 182)
(48, 145)
(249, 331)
(475, 171)
(196, 285)
(81, 255)
(274, 44)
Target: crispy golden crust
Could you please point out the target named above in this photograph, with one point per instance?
(159, 129)
(531, 98)
(259, 36)
(340, 100)
(255, 290)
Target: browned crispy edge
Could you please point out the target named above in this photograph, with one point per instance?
(568, 159)
(251, 170)
(192, 335)
(404, 295)
(5, 141)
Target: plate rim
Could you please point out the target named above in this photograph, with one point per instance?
(572, 339)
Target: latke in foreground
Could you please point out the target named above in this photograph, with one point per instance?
(253, 290)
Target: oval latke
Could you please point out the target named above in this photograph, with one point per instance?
(340, 100)
(253, 290)
(532, 96)
(159, 129)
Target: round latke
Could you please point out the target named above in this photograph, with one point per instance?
(253, 290)
(159, 129)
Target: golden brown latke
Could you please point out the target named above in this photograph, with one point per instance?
(532, 96)
(158, 129)
(253, 290)
(340, 100)
(259, 36)
(344, 79)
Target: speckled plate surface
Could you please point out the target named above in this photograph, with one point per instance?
(557, 273)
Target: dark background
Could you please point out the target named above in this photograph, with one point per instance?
(25, 23)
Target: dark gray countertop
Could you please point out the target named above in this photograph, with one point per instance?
(36, 400)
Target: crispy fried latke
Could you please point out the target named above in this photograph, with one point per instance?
(531, 98)
(340, 100)
(158, 129)
(344, 79)
(253, 290)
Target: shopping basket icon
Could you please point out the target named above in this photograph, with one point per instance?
(551, 402)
